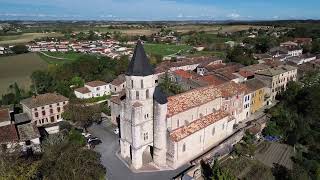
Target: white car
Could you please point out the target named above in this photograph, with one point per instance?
(116, 131)
(86, 135)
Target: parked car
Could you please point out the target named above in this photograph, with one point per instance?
(94, 141)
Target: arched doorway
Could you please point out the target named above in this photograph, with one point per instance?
(147, 155)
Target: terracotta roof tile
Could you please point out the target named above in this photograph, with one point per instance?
(119, 80)
(231, 88)
(4, 115)
(8, 134)
(212, 80)
(190, 99)
(185, 131)
(83, 90)
(43, 99)
(96, 83)
(183, 74)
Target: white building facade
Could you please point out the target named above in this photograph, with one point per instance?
(168, 131)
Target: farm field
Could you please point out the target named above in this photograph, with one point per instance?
(25, 37)
(18, 68)
(212, 29)
(59, 57)
(166, 49)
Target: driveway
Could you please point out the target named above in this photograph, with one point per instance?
(116, 169)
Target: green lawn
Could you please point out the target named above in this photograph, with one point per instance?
(18, 68)
(219, 54)
(60, 57)
(166, 49)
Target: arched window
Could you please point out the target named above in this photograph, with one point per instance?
(132, 83)
(137, 95)
(141, 84)
(147, 93)
(213, 131)
(184, 147)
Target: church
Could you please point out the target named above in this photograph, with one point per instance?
(171, 131)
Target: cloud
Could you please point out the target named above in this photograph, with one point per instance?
(233, 16)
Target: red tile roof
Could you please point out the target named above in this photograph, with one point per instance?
(43, 99)
(185, 131)
(96, 83)
(4, 115)
(212, 80)
(8, 134)
(230, 89)
(246, 74)
(83, 90)
(183, 74)
(182, 102)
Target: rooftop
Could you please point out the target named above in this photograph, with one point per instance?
(231, 88)
(43, 99)
(21, 118)
(276, 70)
(139, 64)
(4, 115)
(96, 83)
(185, 131)
(183, 74)
(190, 99)
(211, 80)
(119, 80)
(28, 132)
(82, 90)
(8, 134)
(254, 84)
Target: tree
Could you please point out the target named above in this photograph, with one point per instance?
(42, 82)
(70, 161)
(221, 174)
(20, 49)
(81, 114)
(77, 81)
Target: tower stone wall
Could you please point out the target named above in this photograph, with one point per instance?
(160, 134)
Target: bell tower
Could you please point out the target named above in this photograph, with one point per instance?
(136, 117)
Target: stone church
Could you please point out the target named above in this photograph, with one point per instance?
(172, 131)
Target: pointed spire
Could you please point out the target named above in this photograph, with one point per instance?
(139, 64)
(159, 96)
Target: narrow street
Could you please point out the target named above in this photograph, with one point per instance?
(116, 169)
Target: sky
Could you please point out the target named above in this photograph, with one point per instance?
(150, 10)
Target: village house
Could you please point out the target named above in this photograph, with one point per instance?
(17, 137)
(171, 131)
(45, 110)
(303, 41)
(257, 89)
(298, 60)
(277, 78)
(118, 84)
(285, 51)
(93, 89)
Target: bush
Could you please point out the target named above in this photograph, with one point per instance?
(20, 49)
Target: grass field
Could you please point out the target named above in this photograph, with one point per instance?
(166, 49)
(18, 68)
(59, 57)
(26, 37)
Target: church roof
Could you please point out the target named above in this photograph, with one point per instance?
(185, 131)
(159, 96)
(139, 64)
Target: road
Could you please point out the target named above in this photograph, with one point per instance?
(116, 169)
